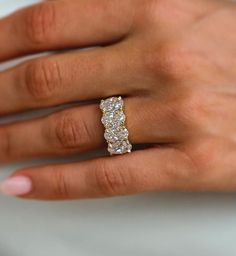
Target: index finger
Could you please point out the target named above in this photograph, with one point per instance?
(53, 25)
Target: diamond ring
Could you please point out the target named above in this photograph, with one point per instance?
(113, 119)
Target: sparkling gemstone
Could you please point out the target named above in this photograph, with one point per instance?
(119, 147)
(113, 119)
(113, 135)
(111, 104)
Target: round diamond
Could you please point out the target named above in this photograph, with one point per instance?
(113, 135)
(113, 119)
(119, 147)
(111, 104)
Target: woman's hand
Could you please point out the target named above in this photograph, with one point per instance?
(174, 61)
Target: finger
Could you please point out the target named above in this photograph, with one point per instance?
(66, 78)
(66, 132)
(146, 170)
(60, 24)
(80, 129)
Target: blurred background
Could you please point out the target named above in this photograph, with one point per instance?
(153, 224)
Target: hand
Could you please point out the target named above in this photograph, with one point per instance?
(174, 61)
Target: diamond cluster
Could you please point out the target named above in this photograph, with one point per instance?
(113, 120)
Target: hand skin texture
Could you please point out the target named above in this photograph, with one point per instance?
(174, 62)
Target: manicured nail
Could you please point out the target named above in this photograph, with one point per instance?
(16, 186)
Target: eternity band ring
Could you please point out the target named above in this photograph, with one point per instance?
(113, 119)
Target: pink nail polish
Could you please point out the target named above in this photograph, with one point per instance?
(16, 186)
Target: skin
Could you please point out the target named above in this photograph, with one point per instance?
(174, 62)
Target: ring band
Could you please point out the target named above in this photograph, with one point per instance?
(113, 119)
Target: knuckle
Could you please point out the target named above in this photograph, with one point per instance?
(110, 180)
(42, 77)
(192, 110)
(206, 154)
(71, 133)
(199, 161)
(189, 172)
(193, 172)
(40, 23)
(169, 61)
(148, 11)
(163, 11)
(60, 183)
(6, 145)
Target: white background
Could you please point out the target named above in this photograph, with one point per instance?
(145, 225)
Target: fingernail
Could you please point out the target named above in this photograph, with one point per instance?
(16, 186)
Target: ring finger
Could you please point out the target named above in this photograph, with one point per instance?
(79, 129)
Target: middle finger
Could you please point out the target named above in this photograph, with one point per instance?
(69, 77)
